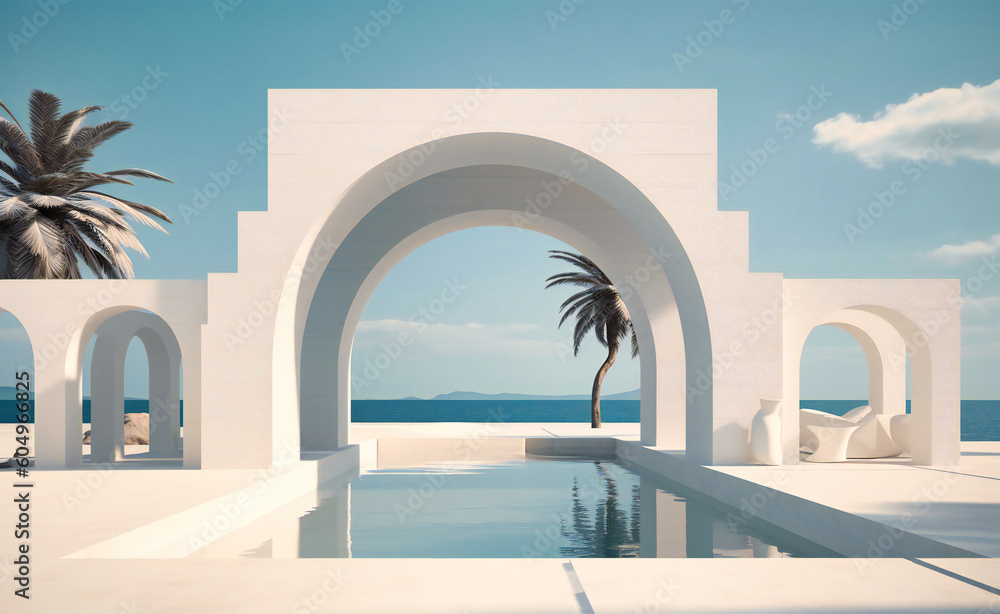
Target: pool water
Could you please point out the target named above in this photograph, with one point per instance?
(526, 508)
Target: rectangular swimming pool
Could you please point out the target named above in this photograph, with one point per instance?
(523, 508)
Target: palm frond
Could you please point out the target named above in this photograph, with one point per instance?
(43, 111)
(133, 210)
(14, 142)
(85, 140)
(15, 207)
(70, 123)
(598, 307)
(50, 217)
(43, 238)
(14, 172)
(138, 172)
(20, 264)
(5, 108)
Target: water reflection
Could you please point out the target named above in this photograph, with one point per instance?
(651, 521)
(600, 525)
(531, 508)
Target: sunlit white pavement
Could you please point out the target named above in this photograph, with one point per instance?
(73, 510)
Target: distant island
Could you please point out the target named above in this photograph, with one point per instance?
(506, 396)
(9, 393)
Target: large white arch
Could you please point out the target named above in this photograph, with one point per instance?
(466, 195)
(325, 427)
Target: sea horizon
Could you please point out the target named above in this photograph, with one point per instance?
(980, 417)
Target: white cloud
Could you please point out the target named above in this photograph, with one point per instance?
(969, 249)
(956, 123)
(981, 304)
(982, 351)
(979, 331)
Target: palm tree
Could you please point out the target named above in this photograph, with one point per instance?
(599, 307)
(49, 214)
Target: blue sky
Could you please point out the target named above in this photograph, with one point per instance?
(202, 71)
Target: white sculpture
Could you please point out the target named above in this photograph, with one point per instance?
(869, 437)
(833, 440)
(765, 433)
(858, 416)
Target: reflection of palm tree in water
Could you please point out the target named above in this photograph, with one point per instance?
(610, 531)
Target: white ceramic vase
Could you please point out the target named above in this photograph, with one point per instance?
(765, 433)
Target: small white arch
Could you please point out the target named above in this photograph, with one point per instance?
(107, 377)
(890, 334)
(885, 353)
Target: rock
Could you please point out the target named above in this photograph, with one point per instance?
(136, 430)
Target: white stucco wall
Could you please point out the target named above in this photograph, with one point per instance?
(337, 157)
(60, 317)
(359, 178)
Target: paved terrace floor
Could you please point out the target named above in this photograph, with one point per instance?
(72, 510)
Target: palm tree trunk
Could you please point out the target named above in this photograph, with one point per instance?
(595, 395)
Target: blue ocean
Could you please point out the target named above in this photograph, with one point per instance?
(8, 409)
(980, 419)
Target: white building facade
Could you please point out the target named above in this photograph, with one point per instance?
(357, 179)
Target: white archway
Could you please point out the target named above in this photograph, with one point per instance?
(107, 403)
(598, 211)
(885, 353)
(890, 333)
